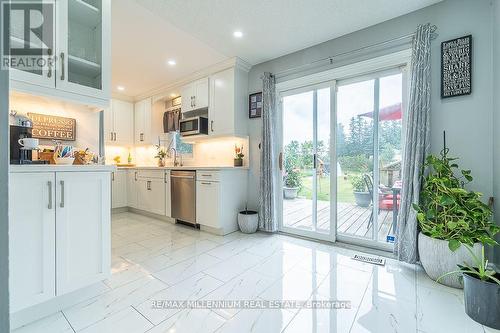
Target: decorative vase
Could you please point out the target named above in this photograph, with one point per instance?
(437, 259)
(238, 162)
(161, 162)
(248, 221)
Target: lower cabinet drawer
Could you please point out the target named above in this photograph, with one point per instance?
(156, 174)
(208, 175)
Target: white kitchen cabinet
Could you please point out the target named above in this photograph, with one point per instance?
(151, 191)
(119, 123)
(195, 95)
(228, 113)
(143, 115)
(60, 238)
(220, 195)
(168, 194)
(208, 203)
(119, 181)
(81, 64)
(132, 188)
(83, 232)
(32, 244)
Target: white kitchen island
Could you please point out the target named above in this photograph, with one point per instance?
(60, 243)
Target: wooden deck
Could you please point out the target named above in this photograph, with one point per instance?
(352, 219)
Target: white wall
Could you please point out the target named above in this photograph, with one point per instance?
(4, 218)
(87, 120)
(467, 120)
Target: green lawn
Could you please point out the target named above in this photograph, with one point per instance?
(344, 189)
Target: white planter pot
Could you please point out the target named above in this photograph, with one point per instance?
(290, 192)
(248, 221)
(437, 259)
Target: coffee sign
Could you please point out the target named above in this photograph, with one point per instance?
(53, 127)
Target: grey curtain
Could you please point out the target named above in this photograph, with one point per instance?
(417, 143)
(268, 181)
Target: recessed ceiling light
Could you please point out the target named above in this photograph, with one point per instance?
(238, 34)
(121, 88)
(171, 62)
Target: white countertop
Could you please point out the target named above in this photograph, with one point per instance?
(186, 167)
(61, 168)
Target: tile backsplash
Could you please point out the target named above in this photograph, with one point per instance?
(214, 152)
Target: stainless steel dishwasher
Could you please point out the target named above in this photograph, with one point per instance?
(183, 186)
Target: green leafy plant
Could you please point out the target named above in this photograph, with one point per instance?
(479, 269)
(293, 179)
(447, 210)
(358, 184)
(160, 152)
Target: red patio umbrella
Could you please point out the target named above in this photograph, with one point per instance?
(391, 112)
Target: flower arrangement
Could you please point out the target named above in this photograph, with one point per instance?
(161, 153)
(238, 158)
(239, 152)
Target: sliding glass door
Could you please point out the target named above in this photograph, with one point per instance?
(341, 159)
(368, 151)
(306, 164)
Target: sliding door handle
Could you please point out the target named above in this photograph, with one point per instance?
(49, 185)
(315, 161)
(62, 194)
(280, 161)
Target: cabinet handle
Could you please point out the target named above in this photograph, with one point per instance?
(113, 176)
(135, 176)
(204, 183)
(194, 101)
(148, 185)
(165, 177)
(49, 185)
(212, 125)
(207, 175)
(111, 134)
(114, 135)
(62, 194)
(49, 73)
(142, 137)
(62, 66)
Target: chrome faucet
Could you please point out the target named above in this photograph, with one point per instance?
(175, 156)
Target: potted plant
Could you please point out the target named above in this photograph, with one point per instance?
(361, 194)
(238, 159)
(161, 154)
(293, 182)
(248, 221)
(481, 289)
(450, 215)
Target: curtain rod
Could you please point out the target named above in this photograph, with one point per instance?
(330, 59)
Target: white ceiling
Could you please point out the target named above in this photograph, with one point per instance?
(198, 33)
(142, 43)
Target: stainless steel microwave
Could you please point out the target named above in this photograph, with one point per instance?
(194, 126)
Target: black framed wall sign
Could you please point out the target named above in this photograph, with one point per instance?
(456, 67)
(255, 105)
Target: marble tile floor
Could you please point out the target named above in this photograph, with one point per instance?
(155, 260)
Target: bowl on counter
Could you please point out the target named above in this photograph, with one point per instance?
(64, 160)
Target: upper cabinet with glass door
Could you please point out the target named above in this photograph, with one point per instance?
(81, 68)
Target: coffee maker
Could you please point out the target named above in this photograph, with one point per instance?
(18, 155)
